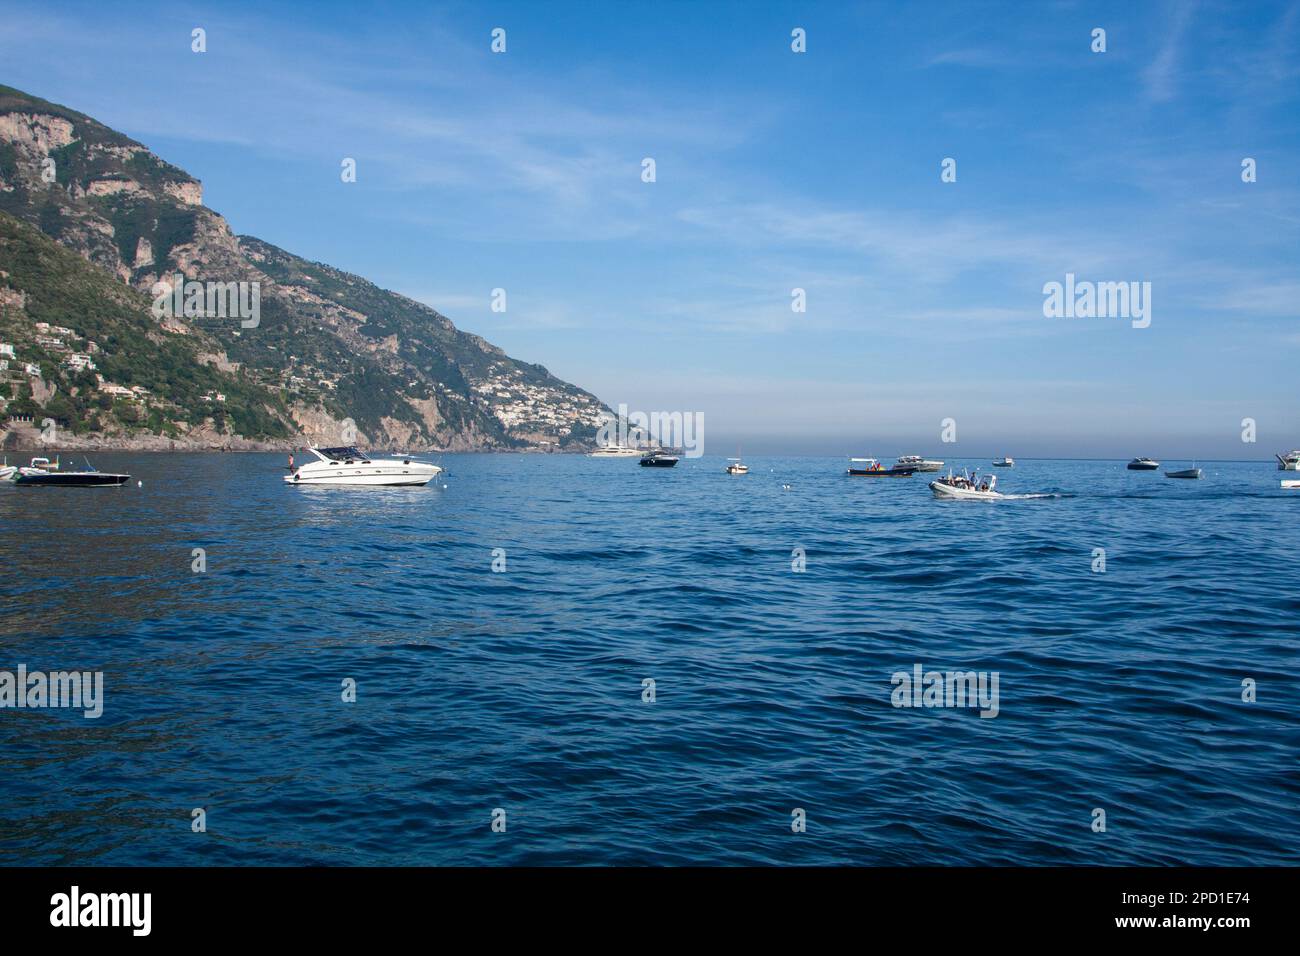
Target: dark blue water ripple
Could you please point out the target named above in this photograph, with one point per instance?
(523, 690)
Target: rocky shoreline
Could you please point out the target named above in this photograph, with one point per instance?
(16, 441)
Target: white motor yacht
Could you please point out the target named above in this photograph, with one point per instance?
(348, 466)
(615, 451)
(1004, 462)
(1143, 464)
(1289, 462)
(966, 487)
(737, 467)
(919, 463)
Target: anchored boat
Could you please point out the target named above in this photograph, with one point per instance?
(1184, 473)
(871, 468)
(1143, 464)
(614, 451)
(659, 459)
(1288, 462)
(919, 463)
(46, 474)
(348, 466)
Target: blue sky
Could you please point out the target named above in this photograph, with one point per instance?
(775, 170)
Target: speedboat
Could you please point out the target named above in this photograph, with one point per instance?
(919, 463)
(614, 451)
(1143, 464)
(1004, 462)
(1184, 473)
(659, 459)
(348, 466)
(1289, 462)
(966, 487)
(45, 473)
(737, 467)
(871, 468)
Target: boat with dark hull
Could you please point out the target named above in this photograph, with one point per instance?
(1143, 464)
(871, 468)
(46, 475)
(659, 459)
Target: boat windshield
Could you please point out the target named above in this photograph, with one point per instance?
(345, 451)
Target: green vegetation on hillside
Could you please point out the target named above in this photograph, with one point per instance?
(327, 341)
(64, 290)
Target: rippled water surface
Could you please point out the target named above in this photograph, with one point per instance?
(523, 690)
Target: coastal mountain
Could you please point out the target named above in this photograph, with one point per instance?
(322, 356)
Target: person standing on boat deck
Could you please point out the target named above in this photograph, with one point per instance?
(291, 461)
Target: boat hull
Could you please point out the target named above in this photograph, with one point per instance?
(1291, 483)
(363, 481)
(1192, 473)
(72, 479)
(396, 475)
(658, 462)
(882, 472)
(1143, 466)
(951, 493)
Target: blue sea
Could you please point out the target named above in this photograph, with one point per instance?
(521, 695)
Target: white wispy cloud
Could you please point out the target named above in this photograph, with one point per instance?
(1161, 77)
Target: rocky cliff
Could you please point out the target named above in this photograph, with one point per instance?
(330, 357)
